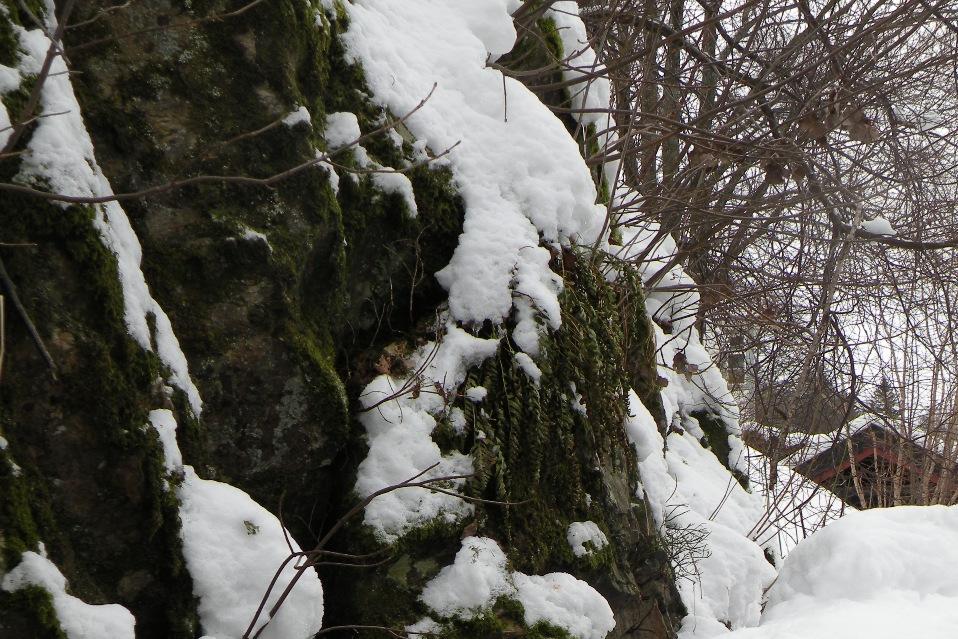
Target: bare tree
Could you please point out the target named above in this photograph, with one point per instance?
(773, 139)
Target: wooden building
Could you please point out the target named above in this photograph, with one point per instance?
(877, 467)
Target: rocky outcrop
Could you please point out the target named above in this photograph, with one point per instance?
(286, 301)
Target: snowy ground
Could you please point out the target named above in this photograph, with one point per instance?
(880, 574)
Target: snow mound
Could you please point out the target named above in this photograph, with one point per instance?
(692, 496)
(480, 575)
(233, 547)
(881, 574)
(78, 620)
(867, 554)
(300, 116)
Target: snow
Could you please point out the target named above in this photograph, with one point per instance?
(519, 172)
(528, 367)
(881, 574)
(581, 533)
(331, 174)
(393, 136)
(477, 577)
(6, 130)
(731, 579)
(164, 423)
(233, 547)
(879, 226)
(476, 394)
(577, 403)
(60, 154)
(342, 129)
(564, 601)
(399, 423)
(689, 490)
(657, 486)
(480, 574)
(425, 626)
(394, 182)
(457, 418)
(299, 116)
(78, 620)
(10, 79)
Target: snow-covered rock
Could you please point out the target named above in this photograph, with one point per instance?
(79, 620)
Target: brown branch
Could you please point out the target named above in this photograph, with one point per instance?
(412, 482)
(34, 100)
(221, 179)
(7, 284)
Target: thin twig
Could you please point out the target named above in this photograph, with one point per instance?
(11, 290)
(225, 179)
(34, 100)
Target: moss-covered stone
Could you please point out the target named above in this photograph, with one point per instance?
(281, 327)
(28, 612)
(273, 329)
(9, 42)
(88, 480)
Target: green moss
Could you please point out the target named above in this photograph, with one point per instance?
(550, 35)
(9, 42)
(18, 528)
(597, 558)
(505, 618)
(544, 630)
(327, 386)
(70, 286)
(539, 50)
(16, 102)
(539, 452)
(31, 610)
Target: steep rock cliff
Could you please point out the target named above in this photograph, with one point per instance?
(269, 311)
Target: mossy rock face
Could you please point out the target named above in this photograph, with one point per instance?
(275, 329)
(273, 293)
(557, 452)
(282, 299)
(82, 473)
(562, 455)
(29, 612)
